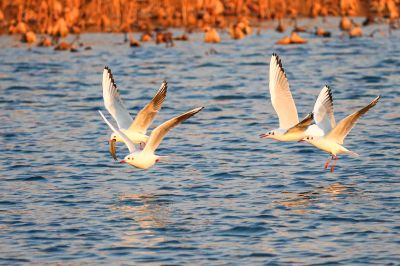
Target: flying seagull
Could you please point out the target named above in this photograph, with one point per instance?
(290, 129)
(136, 129)
(332, 140)
(146, 158)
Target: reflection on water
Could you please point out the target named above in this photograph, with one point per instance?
(225, 196)
(148, 213)
(308, 198)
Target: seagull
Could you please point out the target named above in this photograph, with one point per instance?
(333, 137)
(146, 158)
(136, 129)
(290, 129)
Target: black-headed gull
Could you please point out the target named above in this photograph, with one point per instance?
(290, 129)
(136, 129)
(332, 140)
(146, 158)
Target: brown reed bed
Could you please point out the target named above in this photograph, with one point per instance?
(59, 18)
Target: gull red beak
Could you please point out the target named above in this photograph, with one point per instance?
(122, 161)
(302, 140)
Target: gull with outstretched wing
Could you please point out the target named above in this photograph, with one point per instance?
(332, 137)
(134, 129)
(290, 129)
(146, 158)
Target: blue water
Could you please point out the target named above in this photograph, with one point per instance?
(225, 196)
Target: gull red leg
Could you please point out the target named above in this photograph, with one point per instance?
(327, 162)
(333, 164)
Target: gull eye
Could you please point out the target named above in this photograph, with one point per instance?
(273, 133)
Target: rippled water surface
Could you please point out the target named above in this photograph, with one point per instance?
(224, 196)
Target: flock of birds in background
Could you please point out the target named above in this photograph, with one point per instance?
(318, 128)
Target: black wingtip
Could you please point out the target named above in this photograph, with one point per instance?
(111, 76)
(164, 86)
(279, 61)
(330, 95)
(198, 109)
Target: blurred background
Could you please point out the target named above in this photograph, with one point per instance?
(72, 16)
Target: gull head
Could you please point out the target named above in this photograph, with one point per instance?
(113, 137)
(267, 135)
(128, 159)
(311, 139)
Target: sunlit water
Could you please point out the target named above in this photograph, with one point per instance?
(224, 196)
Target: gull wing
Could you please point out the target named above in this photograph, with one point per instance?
(323, 110)
(340, 132)
(159, 132)
(302, 125)
(113, 101)
(126, 140)
(281, 97)
(146, 116)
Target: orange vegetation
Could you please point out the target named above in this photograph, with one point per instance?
(61, 17)
(211, 35)
(293, 39)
